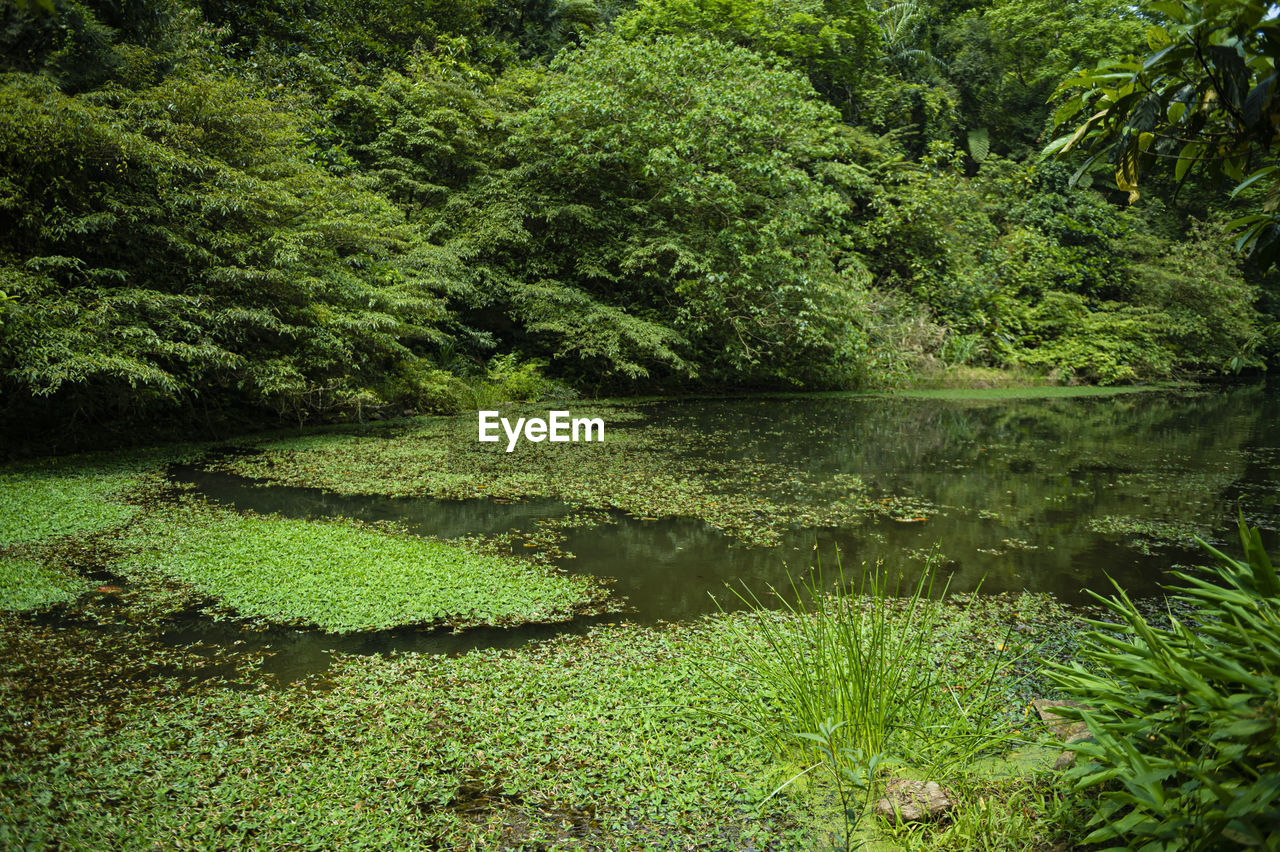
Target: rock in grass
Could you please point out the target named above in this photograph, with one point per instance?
(906, 800)
(1066, 730)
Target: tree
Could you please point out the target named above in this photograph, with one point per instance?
(1008, 59)
(171, 247)
(672, 206)
(1203, 99)
(834, 42)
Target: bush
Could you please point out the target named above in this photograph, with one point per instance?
(1184, 718)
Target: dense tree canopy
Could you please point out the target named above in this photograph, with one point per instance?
(321, 208)
(675, 205)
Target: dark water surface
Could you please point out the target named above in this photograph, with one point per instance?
(1050, 495)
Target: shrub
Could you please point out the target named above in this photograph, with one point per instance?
(1184, 718)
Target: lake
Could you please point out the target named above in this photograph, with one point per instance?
(1003, 494)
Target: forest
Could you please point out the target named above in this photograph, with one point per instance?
(930, 461)
(223, 215)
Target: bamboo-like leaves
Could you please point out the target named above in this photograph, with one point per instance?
(1187, 718)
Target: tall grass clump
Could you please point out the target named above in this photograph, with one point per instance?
(869, 670)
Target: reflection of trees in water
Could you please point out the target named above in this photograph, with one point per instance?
(1018, 483)
(441, 518)
(1021, 474)
(670, 568)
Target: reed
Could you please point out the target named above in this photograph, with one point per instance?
(868, 666)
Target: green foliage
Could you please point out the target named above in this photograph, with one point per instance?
(832, 41)
(541, 28)
(342, 577)
(42, 501)
(1198, 283)
(1031, 271)
(674, 206)
(422, 135)
(1001, 814)
(1109, 343)
(1204, 96)
(519, 381)
(904, 32)
(1185, 719)
(862, 676)
(26, 584)
(505, 379)
(230, 213)
(377, 33)
(1006, 59)
(171, 244)
(602, 741)
(910, 112)
(89, 43)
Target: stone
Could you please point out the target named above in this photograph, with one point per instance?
(906, 800)
(1065, 730)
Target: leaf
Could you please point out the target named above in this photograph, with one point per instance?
(979, 143)
(1253, 178)
(1067, 110)
(1187, 158)
(1243, 729)
(1082, 130)
(1075, 178)
(1256, 101)
(1127, 174)
(1154, 58)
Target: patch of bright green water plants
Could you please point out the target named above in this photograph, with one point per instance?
(27, 584)
(342, 576)
(605, 741)
(38, 503)
(613, 740)
(77, 495)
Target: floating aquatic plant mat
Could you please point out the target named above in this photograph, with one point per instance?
(27, 584)
(614, 740)
(645, 468)
(75, 496)
(343, 575)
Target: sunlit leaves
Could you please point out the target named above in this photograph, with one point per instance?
(1204, 96)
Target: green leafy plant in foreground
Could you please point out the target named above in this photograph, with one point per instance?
(852, 772)
(866, 673)
(1184, 718)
